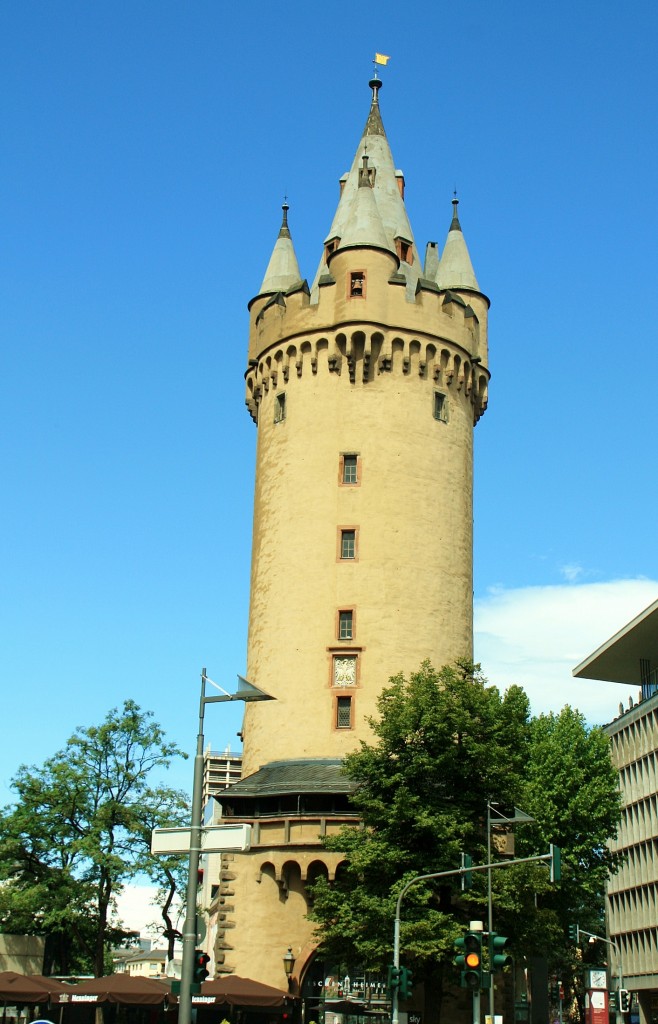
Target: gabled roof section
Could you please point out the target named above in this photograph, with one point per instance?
(283, 269)
(455, 267)
(386, 188)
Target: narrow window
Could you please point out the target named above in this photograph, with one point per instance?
(344, 713)
(280, 407)
(346, 625)
(357, 284)
(348, 543)
(349, 469)
(404, 250)
(440, 407)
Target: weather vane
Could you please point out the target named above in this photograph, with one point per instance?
(381, 60)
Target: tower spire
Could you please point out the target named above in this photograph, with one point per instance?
(283, 269)
(455, 267)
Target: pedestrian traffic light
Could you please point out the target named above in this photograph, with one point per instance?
(200, 970)
(406, 985)
(470, 960)
(624, 1000)
(393, 978)
(574, 933)
(498, 958)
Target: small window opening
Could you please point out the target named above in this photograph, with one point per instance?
(404, 250)
(330, 247)
(350, 467)
(346, 625)
(357, 284)
(280, 407)
(348, 544)
(440, 407)
(344, 713)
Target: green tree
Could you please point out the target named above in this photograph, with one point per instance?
(445, 744)
(75, 835)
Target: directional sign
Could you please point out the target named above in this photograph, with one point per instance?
(214, 839)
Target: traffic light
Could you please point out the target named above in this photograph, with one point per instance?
(406, 985)
(498, 958)
(574, 933)
(393, 978)
(624, 1000)
(470, 960)
(200, 970)
(613, 1002)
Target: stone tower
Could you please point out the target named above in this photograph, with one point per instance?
(365, 388)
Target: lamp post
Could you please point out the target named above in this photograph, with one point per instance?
(246, 692)
(500, 818)
(289, 965)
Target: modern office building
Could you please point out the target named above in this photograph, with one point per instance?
(630, 657)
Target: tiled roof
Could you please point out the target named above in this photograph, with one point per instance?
(309, 775)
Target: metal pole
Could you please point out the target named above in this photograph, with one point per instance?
(476, 1006)
(396, 961)
(190, 926)
(492, 991)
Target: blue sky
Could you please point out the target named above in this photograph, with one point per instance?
(146, 149)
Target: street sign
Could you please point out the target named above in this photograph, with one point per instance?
(214, 839)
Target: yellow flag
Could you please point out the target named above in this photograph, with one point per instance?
(381, 58)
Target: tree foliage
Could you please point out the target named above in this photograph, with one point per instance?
(76, 834)
(445, 745)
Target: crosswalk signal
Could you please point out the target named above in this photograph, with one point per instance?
(498, 958)
(200, 969)
(469, 960)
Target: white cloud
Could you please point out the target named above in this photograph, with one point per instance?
(535, 636)
(138, 912)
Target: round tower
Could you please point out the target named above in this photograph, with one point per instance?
(365, 389)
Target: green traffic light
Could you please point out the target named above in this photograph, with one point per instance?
(498, 959)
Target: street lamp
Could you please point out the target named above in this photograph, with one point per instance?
(496, 817)
(289, 965)
(246, 692)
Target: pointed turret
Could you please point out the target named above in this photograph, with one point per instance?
(387, 188)
(363, 226)
(455, 267)
(283, 269)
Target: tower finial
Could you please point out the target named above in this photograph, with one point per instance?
(455, 225)
(284, 230)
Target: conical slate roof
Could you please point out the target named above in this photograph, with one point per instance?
(455, 267)
(386, 218)
(283, 269)
(363, 223)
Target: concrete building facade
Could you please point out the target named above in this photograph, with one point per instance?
(630, 657)
(365, 388)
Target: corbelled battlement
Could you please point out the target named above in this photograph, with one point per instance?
(364, 351)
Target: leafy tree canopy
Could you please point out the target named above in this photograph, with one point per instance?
(76, 834)
(447, 744)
